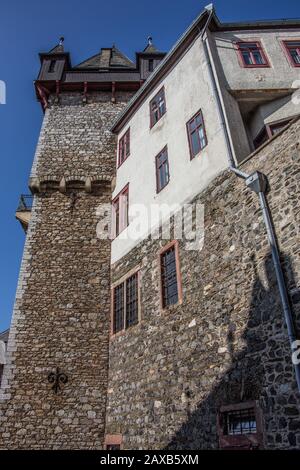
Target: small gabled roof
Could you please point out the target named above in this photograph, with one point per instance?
(107, 58)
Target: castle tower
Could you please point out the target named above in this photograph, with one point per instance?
(53, 392)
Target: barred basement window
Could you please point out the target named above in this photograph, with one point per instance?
(169, 265)
(196, 134)
(239, 422)
(124, 147)
(157, 107)
(252, 54)
(162, 170)
(126, 304)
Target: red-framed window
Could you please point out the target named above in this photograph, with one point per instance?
(124, 147)
(269, 130)
(157, 107)
(252, 54)
(126, 304)
(293, 52)
(196, 134)
(162, 169)
(170, 275)
(120, 211)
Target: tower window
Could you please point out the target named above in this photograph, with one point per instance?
(126, 304)
(196, 134)
(150, 65)
(120, 211)
(162, 170)
(124, 147)
(293, 50)
(170, 276)
(252, 54)
(52, 66)
(157, 107)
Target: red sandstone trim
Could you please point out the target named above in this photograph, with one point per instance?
(113, 440)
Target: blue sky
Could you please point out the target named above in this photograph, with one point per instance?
(31, 26)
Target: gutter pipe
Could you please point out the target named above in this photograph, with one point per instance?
(257, 182)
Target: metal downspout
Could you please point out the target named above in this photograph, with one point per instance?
(257, 182)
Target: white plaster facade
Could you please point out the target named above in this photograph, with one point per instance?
(251, 98)
(187, 89)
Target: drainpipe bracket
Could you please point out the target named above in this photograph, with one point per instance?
(257, 182)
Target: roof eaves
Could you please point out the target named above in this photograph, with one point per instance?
(154, 74)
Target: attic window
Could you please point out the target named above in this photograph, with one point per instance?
(52, 66)
(293, 50)
(252, 54)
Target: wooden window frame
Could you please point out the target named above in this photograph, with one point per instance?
(161, 90)
(159, 189)
(122, 280)
(113, 440)
(124, 140)
(264, 56)
(241, 441)
(287, 50)
(123, 220)
(173, 243)
(192, 155)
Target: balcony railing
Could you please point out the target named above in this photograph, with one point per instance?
(25, 203)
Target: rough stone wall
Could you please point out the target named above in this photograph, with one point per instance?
(61, 314)
(226, 343)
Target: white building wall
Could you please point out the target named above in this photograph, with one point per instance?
(280, 74)
(187, 89)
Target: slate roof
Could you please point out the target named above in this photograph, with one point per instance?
(108, 58)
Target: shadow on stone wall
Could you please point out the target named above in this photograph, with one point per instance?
(262, 370)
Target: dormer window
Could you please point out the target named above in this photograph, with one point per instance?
(252, 54)
(157, 107)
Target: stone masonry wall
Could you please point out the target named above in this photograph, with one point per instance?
(226, 343)
(61, 314)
